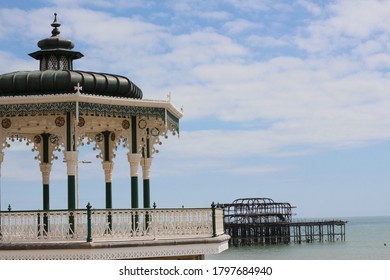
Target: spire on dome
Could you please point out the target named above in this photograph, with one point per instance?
(56, 52)
(55, 26)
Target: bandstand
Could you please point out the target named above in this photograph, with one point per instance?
(58, 109)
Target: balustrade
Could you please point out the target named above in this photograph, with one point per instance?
(109, 224)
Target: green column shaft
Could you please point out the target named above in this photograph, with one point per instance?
(146, 193)
(106, 135)
(109, 203)
(134, 134)
(69, 131)
(108, 195)
(71, 192)
(134, 192)
(46, 200)
(46, 206)
(147, 200)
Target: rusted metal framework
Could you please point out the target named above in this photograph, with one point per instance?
(262, 221)
(257, 210)
(258, 221)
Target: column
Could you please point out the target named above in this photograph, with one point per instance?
(45, 167)
(108, 166)
(146, 162)
(72, 164)
(134, 159)
(71, 158)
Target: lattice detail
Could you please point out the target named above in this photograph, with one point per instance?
(64, 65)
(52, 63)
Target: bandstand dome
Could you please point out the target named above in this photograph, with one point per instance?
(39, 82)
(56, 74)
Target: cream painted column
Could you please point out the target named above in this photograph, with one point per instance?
(146, 164)
(45, 170)
(108, 166)
(134, 160)
(71, 158)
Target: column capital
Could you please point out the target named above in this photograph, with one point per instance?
(71, 155)
(71, 158)
(108, 166)
(146, 163)
(45, 169)
(134, 160)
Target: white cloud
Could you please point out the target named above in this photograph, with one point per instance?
(254, 170)
(267, 41)
(240, 25)
(348, 23)
(311, 7)
(252, 5)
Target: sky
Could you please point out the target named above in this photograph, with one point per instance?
(287, 100)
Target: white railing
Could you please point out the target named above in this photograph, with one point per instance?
(109, 224)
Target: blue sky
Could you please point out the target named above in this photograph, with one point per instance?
(282, 99)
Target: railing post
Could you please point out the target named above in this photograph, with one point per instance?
(39, 223)
(213, 219)
(46, 222)
(222, 206)
(89, 223)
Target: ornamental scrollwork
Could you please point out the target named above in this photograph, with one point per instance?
(60, 121)
(6, 123)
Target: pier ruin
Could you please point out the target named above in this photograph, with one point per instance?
(263, 221)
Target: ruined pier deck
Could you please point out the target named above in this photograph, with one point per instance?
(262, 221)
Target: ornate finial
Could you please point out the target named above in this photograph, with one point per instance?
(55, 26)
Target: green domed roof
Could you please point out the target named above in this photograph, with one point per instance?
(63, 81)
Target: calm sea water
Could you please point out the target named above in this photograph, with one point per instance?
(367, 238)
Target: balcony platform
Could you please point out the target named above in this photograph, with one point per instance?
(178, 248)
(112, 234)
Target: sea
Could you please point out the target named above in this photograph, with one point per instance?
(366, 238)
